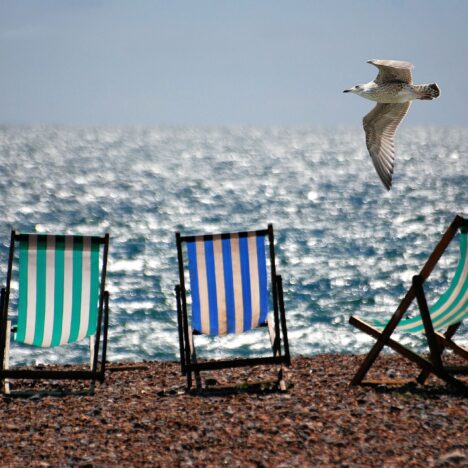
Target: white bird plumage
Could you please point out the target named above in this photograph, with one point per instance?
(393, 90)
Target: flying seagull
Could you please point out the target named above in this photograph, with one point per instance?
(393, 90)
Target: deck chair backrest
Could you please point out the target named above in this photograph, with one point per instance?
(452, 306)
(59, 282)
(228, 280)
(439, 322)
(231, 285)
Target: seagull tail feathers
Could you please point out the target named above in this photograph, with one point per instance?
(428, 91)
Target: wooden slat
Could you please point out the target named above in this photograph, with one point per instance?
(223, 235)
(49, 374)
(216, 365)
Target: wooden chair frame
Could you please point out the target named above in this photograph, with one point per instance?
(97, 370)
(437, 342)
(278, 329)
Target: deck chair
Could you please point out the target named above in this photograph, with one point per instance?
(439, 322)
(230, 293)
(61, 300)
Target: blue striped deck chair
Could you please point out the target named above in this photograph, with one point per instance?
(438, 322)
(61, 300)
(231, 290)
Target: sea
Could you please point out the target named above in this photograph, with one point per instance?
(344, 245)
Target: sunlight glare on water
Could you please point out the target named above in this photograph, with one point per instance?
(344, 245)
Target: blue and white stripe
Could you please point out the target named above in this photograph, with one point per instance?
(228, 279)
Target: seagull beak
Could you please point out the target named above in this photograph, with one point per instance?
(347, 91)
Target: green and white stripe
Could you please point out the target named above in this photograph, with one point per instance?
(58, 289)
(452, 306)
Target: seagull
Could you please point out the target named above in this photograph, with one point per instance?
(393, 90)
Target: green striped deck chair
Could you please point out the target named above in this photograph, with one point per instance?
(61, 300)
(230, 292)
(438, 322)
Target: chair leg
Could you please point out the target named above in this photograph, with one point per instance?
(384, 336)
(190, 356)
(104, 338)
(193, 360)
(434, 347)
(422, 377)
(281, 382)
(3, 326)
(284, 329)
(382, 339)
(92, 342)
(198, 381)
(187, 345)
(6, 357)
(273, 337)
(435, 350)
(180, 330)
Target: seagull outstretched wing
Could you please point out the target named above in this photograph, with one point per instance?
(393, 70)
(380, 125)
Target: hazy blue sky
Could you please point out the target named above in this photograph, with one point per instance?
(200, 62)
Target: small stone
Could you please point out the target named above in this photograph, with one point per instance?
(455, 456)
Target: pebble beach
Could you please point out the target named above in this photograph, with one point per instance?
(142, 416)
(232, 183)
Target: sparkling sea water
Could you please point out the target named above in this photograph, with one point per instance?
(344, 245)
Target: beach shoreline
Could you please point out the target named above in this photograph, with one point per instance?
(141, 415)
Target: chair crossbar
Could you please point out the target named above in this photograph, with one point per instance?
(234, 363)
(50, 374)
(398, 347)
(22, 237)
(224, 235)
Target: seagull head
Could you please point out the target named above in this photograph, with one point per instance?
(355, 89)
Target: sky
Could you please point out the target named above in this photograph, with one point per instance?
(223, 62)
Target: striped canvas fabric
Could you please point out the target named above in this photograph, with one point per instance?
(58, 289)
(228, 278)
(452, 306)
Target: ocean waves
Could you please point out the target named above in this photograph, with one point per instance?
(344, 245)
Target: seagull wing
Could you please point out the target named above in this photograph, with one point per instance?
(380, 125)
(393, 70)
